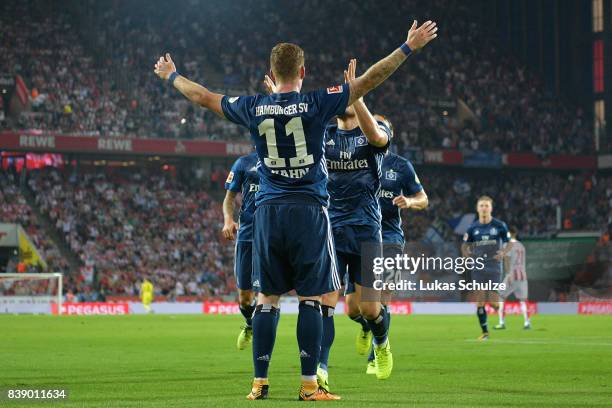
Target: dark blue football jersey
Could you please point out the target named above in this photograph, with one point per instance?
(398, 177)
(486, 239)
(287, 130)
(244, 179)
(354, 168)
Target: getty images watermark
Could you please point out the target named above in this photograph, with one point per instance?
(389, 270)
(428, 273)
(434, 270)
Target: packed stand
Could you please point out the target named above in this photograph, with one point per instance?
(14, 209)
(98, 79)
(527, 200)
(128, 226)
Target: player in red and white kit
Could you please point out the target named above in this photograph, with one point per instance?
(515, 281)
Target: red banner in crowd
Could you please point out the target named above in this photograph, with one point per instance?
(48, 142)
(604, 308)
(52, 143)
(220, 308)
(92, 308)
(450, 157)
(528, 160)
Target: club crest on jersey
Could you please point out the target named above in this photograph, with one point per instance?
(476, 232)
(334, 89)
(230, 177)
(391, 175)
(361, 140)
(493, 231)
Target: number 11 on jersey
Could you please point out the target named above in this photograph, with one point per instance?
(293, 127)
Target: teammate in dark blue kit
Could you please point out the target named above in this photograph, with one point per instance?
(354, 149)
(292, 238)
(400, 189)
(242, 178)
(487, 238)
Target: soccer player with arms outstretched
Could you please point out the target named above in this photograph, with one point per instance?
(515, 280)
(292, 237)
(487, 238)
(242, 178)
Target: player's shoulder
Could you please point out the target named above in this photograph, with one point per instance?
(321, 93)
(249, 100)
(250, 158)
(404, 163)
(474, 224)
(392, 159)
(498, 222)
(239, 162)
(469, 231)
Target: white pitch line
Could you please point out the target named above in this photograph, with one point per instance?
(538, 342)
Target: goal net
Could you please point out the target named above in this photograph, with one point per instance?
(31, 293)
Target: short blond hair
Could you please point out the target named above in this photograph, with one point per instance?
(485, 198)
(286, 59)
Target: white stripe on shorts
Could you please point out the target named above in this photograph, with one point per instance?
(332, 253)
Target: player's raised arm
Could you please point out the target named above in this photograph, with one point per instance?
(166, 70)
(368, 125)
(418, 37)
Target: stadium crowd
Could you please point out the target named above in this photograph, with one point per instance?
(14, 209)
(104, 85)
(526, 200)
(127, 226)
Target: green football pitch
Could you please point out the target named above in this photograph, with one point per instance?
(192, 361)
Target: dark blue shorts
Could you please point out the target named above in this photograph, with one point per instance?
(389, 250)
(293, 248)
(243, 265)
(349, 238)
(492, 271)
(348, 241)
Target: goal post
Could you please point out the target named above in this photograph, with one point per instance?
(31, 293)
